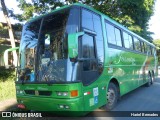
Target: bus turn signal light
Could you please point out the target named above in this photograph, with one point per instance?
(74, 93)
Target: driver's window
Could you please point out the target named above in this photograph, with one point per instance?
(88, 46)
(88, 53)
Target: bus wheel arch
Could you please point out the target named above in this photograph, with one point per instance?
(112, 94)
(115, 81)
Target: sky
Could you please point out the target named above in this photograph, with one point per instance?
(154, 23)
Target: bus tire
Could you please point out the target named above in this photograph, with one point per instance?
(149, 80)
(153, 77)
(112, 96)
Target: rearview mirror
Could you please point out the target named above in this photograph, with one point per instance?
(73, 44)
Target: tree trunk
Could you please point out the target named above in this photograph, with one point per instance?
(10, 30)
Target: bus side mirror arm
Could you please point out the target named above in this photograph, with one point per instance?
(73, 44)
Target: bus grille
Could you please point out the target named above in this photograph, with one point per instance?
(37, 93)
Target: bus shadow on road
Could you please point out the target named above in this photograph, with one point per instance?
(11, 108)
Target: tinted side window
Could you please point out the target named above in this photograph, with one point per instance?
(88, 51)
(88, 47)
(130, 41)
(110, 34)
(92, 22)
(127, 40)
(87, 20)
(148, 50)
(151, 50)
(118, 37)
(99, 38)
(143, 47)
(137, 44)
(97, 27)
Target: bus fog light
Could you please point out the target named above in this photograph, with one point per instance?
(67, 107)
(59, 93)
(61, 106)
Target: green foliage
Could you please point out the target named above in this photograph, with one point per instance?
(7, 83)
(134, 14)
(6, 74)
(157, 43)
(3, 29)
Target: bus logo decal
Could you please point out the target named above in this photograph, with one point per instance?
(125, 60)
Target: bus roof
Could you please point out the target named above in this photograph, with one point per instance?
(96, 11)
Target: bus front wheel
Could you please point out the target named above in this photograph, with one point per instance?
(112, 96)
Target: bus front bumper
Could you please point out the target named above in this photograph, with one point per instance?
(51, 104)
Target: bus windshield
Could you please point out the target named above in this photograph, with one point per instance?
(44, 47)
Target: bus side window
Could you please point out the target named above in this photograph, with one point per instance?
(145, 47)
(88, 52)
(127, 41)
(118, 37)
(87, 21)
(148, 50)
(137, 44)
(99, 39)
(142, 47)
(113, 35)
(110, 34)
(151, 50)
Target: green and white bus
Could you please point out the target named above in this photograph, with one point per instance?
(78, 59)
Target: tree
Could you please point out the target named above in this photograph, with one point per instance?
(140, 11)
(134, 14)
(10, 30)
(3, 30)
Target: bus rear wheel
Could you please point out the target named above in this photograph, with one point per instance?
(149, 80)
(112, 96)
(153, 77)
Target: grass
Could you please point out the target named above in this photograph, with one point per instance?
(7, 84)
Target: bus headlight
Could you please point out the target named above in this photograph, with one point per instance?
(62, 93)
